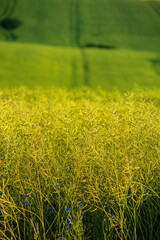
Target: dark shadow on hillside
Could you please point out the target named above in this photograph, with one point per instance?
(10, 23)
(102, 46)
(7, 23)
(156, 65)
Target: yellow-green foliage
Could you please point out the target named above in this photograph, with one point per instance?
(99, 149)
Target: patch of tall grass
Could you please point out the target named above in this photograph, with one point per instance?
(79, 165)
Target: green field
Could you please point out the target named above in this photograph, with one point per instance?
(118, 41)
(38, 65)
(119, 23)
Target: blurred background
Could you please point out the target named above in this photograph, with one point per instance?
(72, 43)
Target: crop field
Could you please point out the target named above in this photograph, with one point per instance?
(79, 120)
(79, 165)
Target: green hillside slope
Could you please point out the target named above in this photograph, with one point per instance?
(45, 22)
(32, 65)
(121, 23)
(118, 23)
(38, 65)
(111, 44)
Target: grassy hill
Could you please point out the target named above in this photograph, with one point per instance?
(42, 21)
(38, 65)
(32, 65)
(118, 23)
(116, 42)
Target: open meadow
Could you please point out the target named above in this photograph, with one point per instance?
(79, 120)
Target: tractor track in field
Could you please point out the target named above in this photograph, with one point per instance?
(156, 65)
(8, 9)
(156, 6)
(74, 23)
(75, 33)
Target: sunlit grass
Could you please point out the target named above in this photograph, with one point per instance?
(79, 165)
(38, 65)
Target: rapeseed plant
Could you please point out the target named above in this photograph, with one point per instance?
(89, 169)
